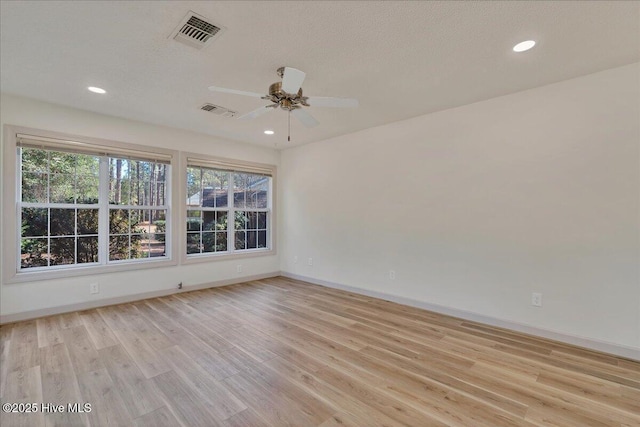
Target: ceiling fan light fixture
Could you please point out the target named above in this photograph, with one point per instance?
(524, 46)
(269, 132)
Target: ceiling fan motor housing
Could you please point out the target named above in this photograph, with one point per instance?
(285, 100)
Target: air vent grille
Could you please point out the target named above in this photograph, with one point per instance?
(218, 110)
(196, 31)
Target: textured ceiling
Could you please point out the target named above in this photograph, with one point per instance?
(400, 59)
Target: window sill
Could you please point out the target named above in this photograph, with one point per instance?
(213, 257)
(34, 276)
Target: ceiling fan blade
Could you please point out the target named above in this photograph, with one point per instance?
(257, 112)
(235, 92)
(305, 118)
(292, 80)
(321, 101)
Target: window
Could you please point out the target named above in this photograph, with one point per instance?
(228, 211)
(137, 209)
(59, 208)
(83, 205)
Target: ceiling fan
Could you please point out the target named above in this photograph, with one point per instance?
(288, 96)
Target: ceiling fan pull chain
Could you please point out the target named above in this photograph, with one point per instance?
(289, 135)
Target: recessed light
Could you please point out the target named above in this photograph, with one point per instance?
(525, 45)
(97, 90)
(268, 132)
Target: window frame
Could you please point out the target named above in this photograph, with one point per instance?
(11, 217)
(221, 163)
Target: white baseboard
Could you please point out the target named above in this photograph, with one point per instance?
(602, 346)
(34, 314)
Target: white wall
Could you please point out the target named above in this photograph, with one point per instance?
(24, 297)
(477, 207)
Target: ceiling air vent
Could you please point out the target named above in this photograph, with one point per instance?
(196, 31)
(218, 110)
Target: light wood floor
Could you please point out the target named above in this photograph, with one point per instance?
(280, 352)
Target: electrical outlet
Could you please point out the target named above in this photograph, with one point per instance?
(295, 259)
(392, 274)
(239, 268)
(94, 288)
(310, 261)
(536, 299)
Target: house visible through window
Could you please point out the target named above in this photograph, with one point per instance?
(83, 208)
(227, 211)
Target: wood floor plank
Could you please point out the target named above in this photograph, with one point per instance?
(332, 396)
(278, 352)
(275, 409)
(100, 333)
(185, 401)
(148, 360)
(220, 402)
(84, 356)
(247, 418)
(107, 406)
(161, 417)
(23, 352)
(70, 320)
(23, 387)
(5, 342)
(60, 386)
(138, 393)
(49, 331)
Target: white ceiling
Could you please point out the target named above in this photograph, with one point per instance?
(400, 59)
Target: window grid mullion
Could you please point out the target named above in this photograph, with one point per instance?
(231, 219)
(103, 211)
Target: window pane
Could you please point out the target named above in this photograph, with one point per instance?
(87, 165)
(221, 241)
(87, 189)
(193, 243)
(193, 187)
(157, 246)
(221, 220)
(35, 160)
(256, 191)
(193, 221)
(34, 253)
(208, 220)
(240, 240)
(61, 188)
(63, 222)
(252, 220)
(208, 242)
(35, 222)
(87, 249)
(240, 183)
(87, 221)
(118, 247)
(159, 226)
(34, 187)
(251, 240)
(120, 181)
(63, 163)
(262, 220)
(222, 189)
(138, 221)
(136, 192)
(240, 221)
(139, 246)
(118, 221)
(262, 239)
(63, 250)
